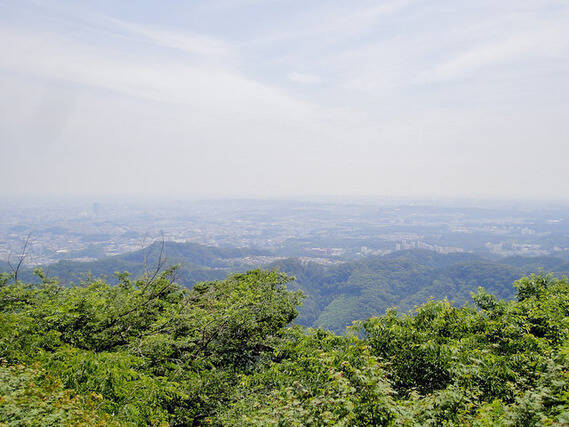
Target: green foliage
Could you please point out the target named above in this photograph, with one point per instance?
(197, 262)
(30, 396)
(337, 295)
(150, 352)
(155, 351)
(315, 378)
(504, 363)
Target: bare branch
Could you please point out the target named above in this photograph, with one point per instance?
(149, 279)
(145, 250)
(16, 268)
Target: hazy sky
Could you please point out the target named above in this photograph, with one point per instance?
(284, 98)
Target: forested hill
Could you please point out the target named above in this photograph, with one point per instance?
(340, 294)
(337, 294)
(198, 263)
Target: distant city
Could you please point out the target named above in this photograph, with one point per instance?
(322, 231)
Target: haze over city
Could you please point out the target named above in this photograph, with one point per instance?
(285, 98)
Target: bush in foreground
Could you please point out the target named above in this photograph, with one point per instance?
(151, 352)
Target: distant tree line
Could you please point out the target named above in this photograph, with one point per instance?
(335, 295)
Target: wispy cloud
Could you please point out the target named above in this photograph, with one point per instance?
(304, 78)
(181, 40)
(338, 21)
(193, 96)
(551, 40)
(212, 89)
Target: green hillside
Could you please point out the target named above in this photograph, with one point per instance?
(197, 263)
(336, 295)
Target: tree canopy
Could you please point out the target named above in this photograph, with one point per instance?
(149, 351)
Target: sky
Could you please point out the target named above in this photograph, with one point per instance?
(270, 98)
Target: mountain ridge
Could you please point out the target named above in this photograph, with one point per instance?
(336, 294)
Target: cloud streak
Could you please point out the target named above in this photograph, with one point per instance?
(304, 78)
(185, 42)
(551, 40)
(269, 99)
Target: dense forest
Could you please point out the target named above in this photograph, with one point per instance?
(148, 351)
(335, 295)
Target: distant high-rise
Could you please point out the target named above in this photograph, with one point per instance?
(97, 208)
